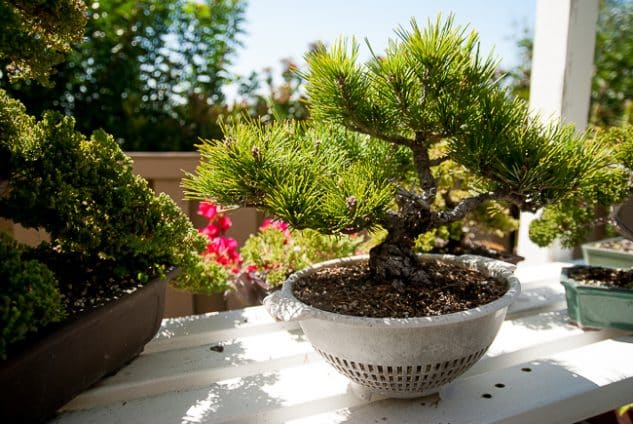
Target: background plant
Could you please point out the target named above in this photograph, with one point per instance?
(612, 82)
(430, 91)
(570, 219)
(36, 35)
(270, 255)
(109, 233)
(611, 106)
(149, 72)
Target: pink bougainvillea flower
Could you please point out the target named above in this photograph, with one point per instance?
(210, 231)
(223, 222)
(208, 210)
(274, 223)
(252, 268)
(224, 250)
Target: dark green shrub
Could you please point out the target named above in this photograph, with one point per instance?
(108, 230)
(29, 298)
(84, 194)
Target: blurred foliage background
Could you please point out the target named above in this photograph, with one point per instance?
(612, 82)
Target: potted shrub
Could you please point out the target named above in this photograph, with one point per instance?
(615, 252)
(267, 257)
(79, 306)
(397, 323)
(598, 294)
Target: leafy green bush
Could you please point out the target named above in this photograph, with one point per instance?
(84, 194)
(108, 232)
(570, 219)
(276, 252)
(107, 228)
(36, 34)
(29, 298)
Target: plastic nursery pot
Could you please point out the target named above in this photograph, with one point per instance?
(595, 254)
(400, 357)
(597, 307)
(51, 371)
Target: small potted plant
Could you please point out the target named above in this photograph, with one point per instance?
(599, 293)
(397, 323)
(82, 304)
(267, 257)
(616, 252)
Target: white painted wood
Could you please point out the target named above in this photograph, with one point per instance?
(182, 332)
(562, 388)
(267, 373)
(560, 86)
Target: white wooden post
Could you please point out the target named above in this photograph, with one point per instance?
(560, 87)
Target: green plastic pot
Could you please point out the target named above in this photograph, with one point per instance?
(595, 255)
(597, 307)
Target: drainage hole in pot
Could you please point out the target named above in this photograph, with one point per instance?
(526, 369)
(500, 385)
(486, 396)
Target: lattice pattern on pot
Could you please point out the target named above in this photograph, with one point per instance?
(403, 378)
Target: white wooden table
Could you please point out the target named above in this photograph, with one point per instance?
(243, 367)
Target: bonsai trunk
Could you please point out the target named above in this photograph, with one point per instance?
(394, 259)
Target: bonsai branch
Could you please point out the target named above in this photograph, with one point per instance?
(469, 204)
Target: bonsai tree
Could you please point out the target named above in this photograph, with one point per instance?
(380, 137)
(109, 233)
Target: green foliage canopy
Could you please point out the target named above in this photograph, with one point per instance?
(36, 34)
(29, 298)
(149, 72)
(612, 81)
(100, 216)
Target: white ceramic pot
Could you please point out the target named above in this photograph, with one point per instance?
(400, 357)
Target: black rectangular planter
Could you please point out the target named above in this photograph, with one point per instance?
(58, 367)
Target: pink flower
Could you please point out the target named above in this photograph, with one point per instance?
(224, 250)
(251, 268)
(277, 224)
(223, 222)
(208, 210)
(210, 231)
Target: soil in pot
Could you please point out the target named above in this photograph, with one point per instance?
(602, 277)
(619, 244)
(350, 290)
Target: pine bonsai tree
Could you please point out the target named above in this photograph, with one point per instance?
(381, 131)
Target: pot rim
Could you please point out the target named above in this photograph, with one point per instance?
(496, 268)
(568, 281)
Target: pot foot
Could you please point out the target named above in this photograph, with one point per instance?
(369, 395)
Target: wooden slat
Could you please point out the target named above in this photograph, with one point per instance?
(557, 389)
